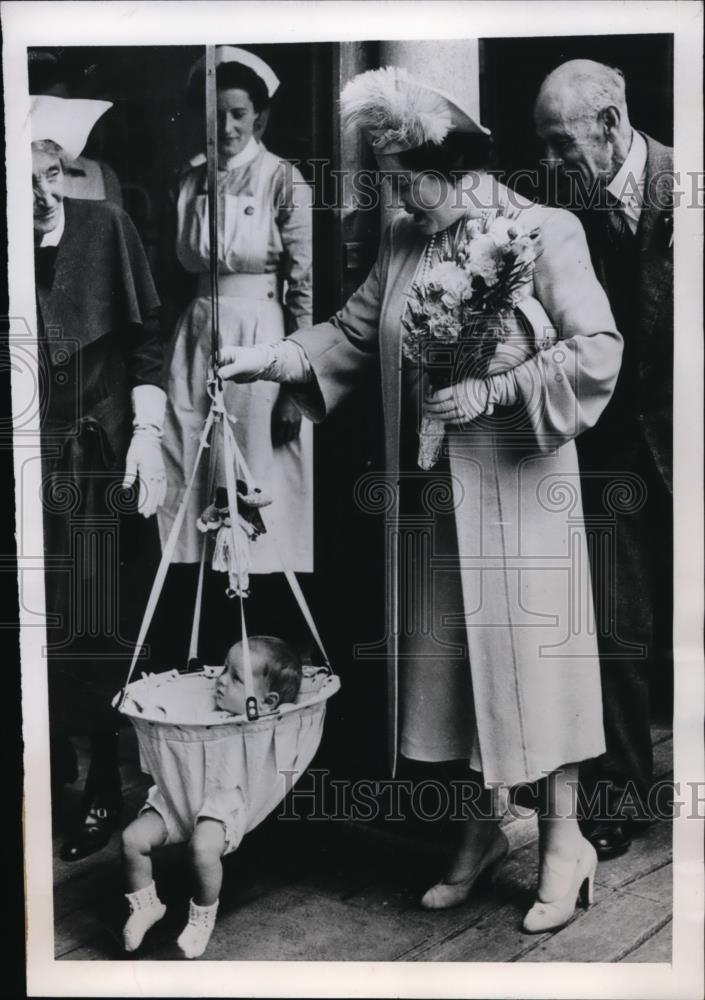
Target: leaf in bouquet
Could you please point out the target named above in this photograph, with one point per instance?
(419, 315)
(485, 333)
(411, 349)
(443, 328)
(448, 333)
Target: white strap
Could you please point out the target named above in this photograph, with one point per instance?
(196, 624)
(243, 468)
(251, 708)
(166, 556)
(289, 574)
(198, 605)
(303, 605)
(231, 455)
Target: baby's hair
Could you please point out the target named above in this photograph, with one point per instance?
(282, 669)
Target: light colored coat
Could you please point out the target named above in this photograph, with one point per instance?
(522, 552)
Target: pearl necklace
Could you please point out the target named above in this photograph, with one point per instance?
(430, 251)
(443, 252)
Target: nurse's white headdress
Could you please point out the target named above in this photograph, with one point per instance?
(65, 121)
(232, 54)
(397, 112)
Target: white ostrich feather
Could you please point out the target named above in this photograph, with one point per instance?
(393, 108)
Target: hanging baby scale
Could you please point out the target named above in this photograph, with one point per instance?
(185, 742)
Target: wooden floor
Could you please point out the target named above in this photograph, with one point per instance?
(331, 890)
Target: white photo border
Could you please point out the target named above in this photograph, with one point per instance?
(168, 23)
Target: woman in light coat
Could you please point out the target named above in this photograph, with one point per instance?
(498, 666)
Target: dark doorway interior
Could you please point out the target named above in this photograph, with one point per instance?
(511, 71)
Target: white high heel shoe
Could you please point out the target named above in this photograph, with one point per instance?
(577, 876)
(443, 895)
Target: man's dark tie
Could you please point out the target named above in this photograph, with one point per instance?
(619, 235)
(621, 262)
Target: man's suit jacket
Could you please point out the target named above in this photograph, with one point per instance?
(647, 395)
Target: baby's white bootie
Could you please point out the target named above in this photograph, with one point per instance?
(195, 936)
(146, 909)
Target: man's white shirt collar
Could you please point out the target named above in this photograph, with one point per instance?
(53, 238)
(627, 185)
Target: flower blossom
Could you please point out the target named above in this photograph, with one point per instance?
(502, 231)
(449, 279)
(483, 259)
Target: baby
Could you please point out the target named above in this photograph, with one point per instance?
(218, 828)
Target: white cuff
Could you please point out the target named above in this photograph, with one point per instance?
(288, 363)
(502, 390)
(148, 406)
(545, 333)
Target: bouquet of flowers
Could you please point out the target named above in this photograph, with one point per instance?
(462, 307)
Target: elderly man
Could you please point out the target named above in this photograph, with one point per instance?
(582, 118)
(102, 416)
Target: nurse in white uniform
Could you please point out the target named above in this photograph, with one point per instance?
(264, 285)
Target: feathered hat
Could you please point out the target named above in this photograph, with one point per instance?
(232, 54)
(397, 112)
(66, 121)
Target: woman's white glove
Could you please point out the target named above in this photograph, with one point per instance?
(246, 364)
(284, 361)
(460, 403)
(144, 462)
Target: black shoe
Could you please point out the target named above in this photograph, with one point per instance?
(93, 833)
(610, 839)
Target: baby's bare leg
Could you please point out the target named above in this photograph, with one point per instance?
(138, 840)
(207, 846)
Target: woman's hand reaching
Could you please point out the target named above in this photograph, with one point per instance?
(460, 403)
(269, 362)
(244, 364)
(282, 361)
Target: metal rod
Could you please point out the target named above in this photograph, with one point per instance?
(212, 175)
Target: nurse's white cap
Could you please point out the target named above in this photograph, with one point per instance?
(232, 54)
(65, 121)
